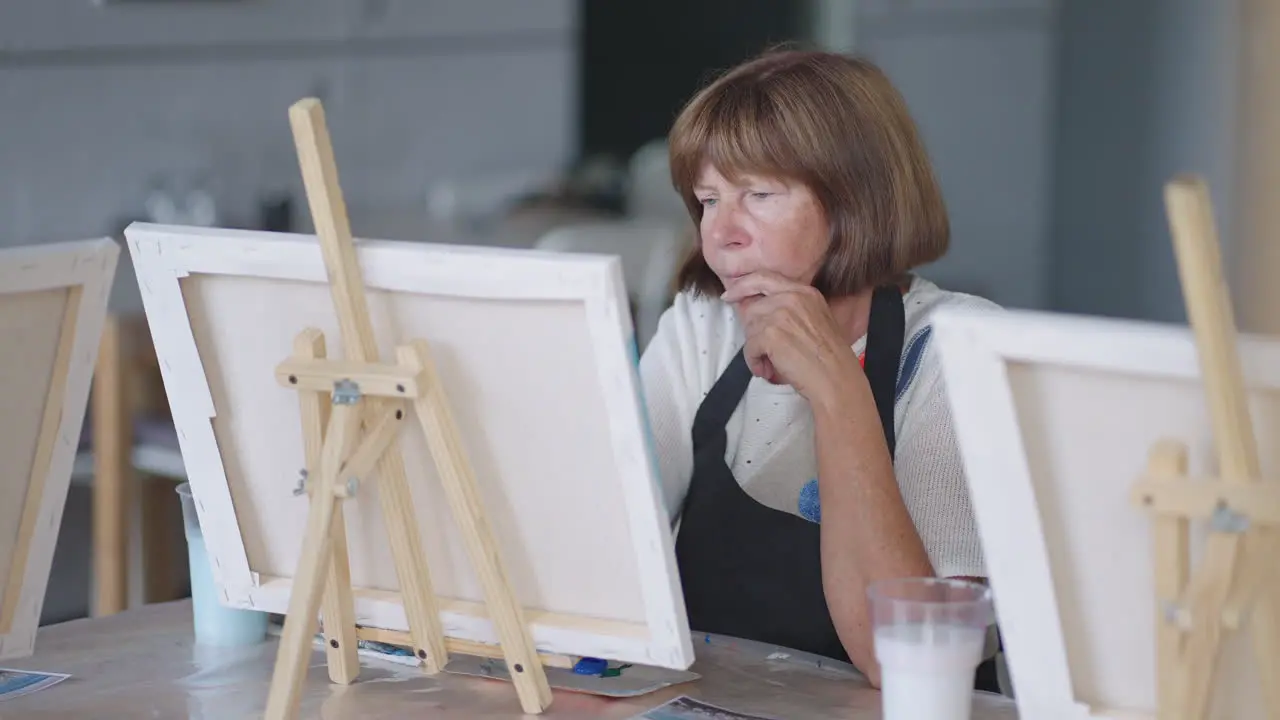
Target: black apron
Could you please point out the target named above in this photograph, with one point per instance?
(751, 571)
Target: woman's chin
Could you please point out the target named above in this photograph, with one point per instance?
(728, 280)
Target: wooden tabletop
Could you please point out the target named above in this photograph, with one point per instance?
(144, 664)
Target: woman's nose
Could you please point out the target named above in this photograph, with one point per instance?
(726, 227)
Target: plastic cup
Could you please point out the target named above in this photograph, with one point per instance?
(929, 638)
(215, 623)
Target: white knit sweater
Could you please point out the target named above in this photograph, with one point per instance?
(771, 442)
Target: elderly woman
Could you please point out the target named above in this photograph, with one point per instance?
(804, 440)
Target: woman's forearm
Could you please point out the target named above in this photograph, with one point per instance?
(867, 533)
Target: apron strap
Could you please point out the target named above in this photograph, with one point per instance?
(886, 331)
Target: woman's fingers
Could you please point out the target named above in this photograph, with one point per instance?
(758, 283)
(760, 364)
(757, 316)
(758, 349)
(785, 324)
(761, 367)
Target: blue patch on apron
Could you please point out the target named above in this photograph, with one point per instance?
(809, 505)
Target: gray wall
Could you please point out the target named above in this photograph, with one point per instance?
(96, 101)
(1146, 91)
(978, 76)
(1053, 127)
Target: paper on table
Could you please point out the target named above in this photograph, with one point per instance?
(635, 680)
(686, 708)
(14, 683)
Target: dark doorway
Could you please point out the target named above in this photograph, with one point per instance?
(641, 61)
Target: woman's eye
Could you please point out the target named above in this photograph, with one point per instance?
(707, 202)
(760, 194)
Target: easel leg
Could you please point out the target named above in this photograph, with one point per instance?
(304, 601)
(1172, 564)
(338, 608)
(416, 591)
(1266, 623)
(464, 500)
(1208, 597)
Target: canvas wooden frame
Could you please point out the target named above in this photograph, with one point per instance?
(977, 349)
(164, 255)
(62, 289)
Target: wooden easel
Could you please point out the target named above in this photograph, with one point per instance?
(1237, 575)
(367, 396)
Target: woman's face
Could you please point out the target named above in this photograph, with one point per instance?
(760, 223)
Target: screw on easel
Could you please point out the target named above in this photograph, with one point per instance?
(1177, 615)
(301, 487)
(346, 392)
(1226, 520)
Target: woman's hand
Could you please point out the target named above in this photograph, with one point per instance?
(792, 337)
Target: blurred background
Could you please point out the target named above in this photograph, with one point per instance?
(541, 123)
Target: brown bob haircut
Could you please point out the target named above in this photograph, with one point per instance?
(836, 125)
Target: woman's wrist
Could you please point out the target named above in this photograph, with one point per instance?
(846, 395)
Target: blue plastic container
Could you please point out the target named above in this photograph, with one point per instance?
(215, 623)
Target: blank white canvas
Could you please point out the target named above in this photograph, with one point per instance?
(1055, 415)
(53, 299)
(537, 356)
